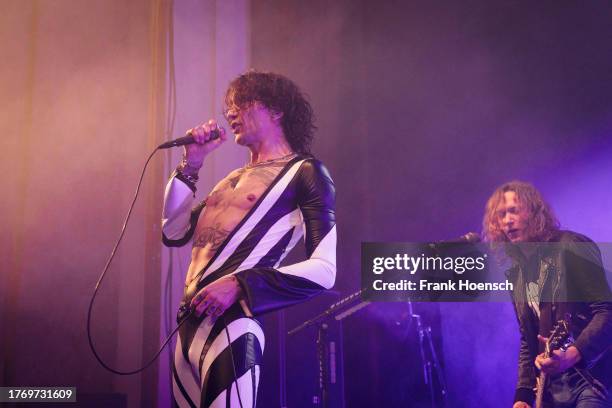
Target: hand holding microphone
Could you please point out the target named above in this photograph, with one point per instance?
(206, 138)
(190, 139)
(198, 142)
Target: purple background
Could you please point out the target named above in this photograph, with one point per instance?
(423, 109)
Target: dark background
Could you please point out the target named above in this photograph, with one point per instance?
(423, 109)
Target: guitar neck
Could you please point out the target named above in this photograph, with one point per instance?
(541, 383)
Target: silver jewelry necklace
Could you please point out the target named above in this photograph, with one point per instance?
(263, 163)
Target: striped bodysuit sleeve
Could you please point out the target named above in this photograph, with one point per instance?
(179, 219)
(267, 289)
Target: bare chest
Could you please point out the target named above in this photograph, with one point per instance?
(226, 206)
(241, 189)
(229, 202)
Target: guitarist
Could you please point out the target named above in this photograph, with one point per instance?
(556, 274)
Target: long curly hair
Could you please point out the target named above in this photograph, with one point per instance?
(281, 95)
(541, 221)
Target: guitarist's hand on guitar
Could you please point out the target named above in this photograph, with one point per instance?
(521, 404)
(559, 361)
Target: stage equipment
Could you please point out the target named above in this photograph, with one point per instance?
(328, 353)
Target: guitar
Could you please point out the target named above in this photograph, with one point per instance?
(560, 339)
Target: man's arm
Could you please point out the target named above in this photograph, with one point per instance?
(586, 275)
(586, 286)
(268, 289)
(526, 373)
(178, 218)
(596, 337)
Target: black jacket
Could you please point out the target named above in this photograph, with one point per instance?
(574, 282)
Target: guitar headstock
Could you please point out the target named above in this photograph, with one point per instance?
(560, 337)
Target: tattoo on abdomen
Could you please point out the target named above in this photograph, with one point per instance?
(210, 235)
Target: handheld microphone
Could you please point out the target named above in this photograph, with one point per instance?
(469, 238)
(188, 139)
(451, 244)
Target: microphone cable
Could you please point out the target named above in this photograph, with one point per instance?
(103, 274)
(229, 344)
(191, 310)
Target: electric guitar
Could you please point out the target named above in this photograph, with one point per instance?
(560, 339)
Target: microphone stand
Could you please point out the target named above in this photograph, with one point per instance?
(350, 305)
(337, 311)
(429, 360)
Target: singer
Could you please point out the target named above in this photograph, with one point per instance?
(241, 232)
(556, 275)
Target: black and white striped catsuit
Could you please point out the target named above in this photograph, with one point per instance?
(299, 202)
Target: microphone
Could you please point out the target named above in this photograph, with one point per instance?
(188, 139)
(469, 238)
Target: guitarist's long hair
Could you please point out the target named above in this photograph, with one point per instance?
(542, 224)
